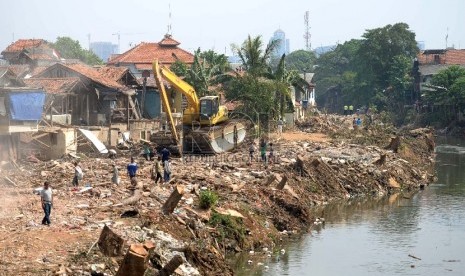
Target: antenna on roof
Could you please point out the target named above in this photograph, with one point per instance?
(447, 36)
(169, 32)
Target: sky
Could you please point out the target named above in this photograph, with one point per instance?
(215, 24)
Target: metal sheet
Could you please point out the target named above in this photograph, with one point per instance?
(95, 141)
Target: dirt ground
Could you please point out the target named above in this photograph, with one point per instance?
(321, 160)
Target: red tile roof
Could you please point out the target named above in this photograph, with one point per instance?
(114, 73)
(168, 41)
(22, 44)
(53, 85)
(86, 71)
(18, 70)
(37, 70)
(449, 56)
(166, 51)
(94, 75)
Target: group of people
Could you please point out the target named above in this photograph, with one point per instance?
(161, 166)
(357, 123)
(263, 149)
(348, 109)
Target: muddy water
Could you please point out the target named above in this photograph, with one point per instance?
(418, 234)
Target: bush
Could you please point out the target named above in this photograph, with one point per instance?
(228, 227)
(208, 199)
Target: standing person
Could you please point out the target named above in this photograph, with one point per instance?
(351, 109)
(280, 126)
(263, 150)
(46, 200)
(157, 170)
(165, 154)
(147, 153)
(354, 124)
(252, 151)
(132, 169)
(115, 178)
(271, 155)
(166, 170)
(78, 174)
(345, 109)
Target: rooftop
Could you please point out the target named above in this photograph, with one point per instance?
(53, 85)
(166, 51)
(21, 44)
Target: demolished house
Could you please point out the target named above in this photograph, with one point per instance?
(139, 61)
(20, 112)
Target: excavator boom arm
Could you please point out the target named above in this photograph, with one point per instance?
(186, 89)
(165, 100)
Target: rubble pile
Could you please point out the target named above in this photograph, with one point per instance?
(258, 204)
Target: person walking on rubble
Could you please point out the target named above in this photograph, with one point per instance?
(157, 170)
(280, 126)
(115, 178)
(271, 154)
(251, 151)
(132, 169)
(263, 150)
(46, 200)
(147, 152)
(166, 170)
(165, 154)
(78, 174)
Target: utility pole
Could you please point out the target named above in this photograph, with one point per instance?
(88, 39)
(307, 35)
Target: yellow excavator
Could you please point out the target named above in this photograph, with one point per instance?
(207, 128)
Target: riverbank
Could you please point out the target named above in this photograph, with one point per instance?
(321, 160)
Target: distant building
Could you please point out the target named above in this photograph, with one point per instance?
(283, 46)
(35, 52)
(323, 50)
(421, 45)
(104, 49)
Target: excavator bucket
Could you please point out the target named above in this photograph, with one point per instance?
(214, 139)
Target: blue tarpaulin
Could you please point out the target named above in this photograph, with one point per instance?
(27, 106)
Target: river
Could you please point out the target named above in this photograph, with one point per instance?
(418, 234)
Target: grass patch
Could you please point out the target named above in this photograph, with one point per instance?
(228, 227)
(208, 199)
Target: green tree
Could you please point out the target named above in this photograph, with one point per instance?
(381, 49)
(373, 70)
(262, 89)
(302, 61)
(447, 93)
(207, 70)
(71, 49)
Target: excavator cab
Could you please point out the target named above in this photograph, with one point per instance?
(208, 107)
(211, 112)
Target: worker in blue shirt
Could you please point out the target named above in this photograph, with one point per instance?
(132, 168)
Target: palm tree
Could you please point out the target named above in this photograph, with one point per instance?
(259, 75)
(253, 58)
(207, 70)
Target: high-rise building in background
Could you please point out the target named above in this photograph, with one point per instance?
(421, 45)
(104, 49)
(283, 45)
